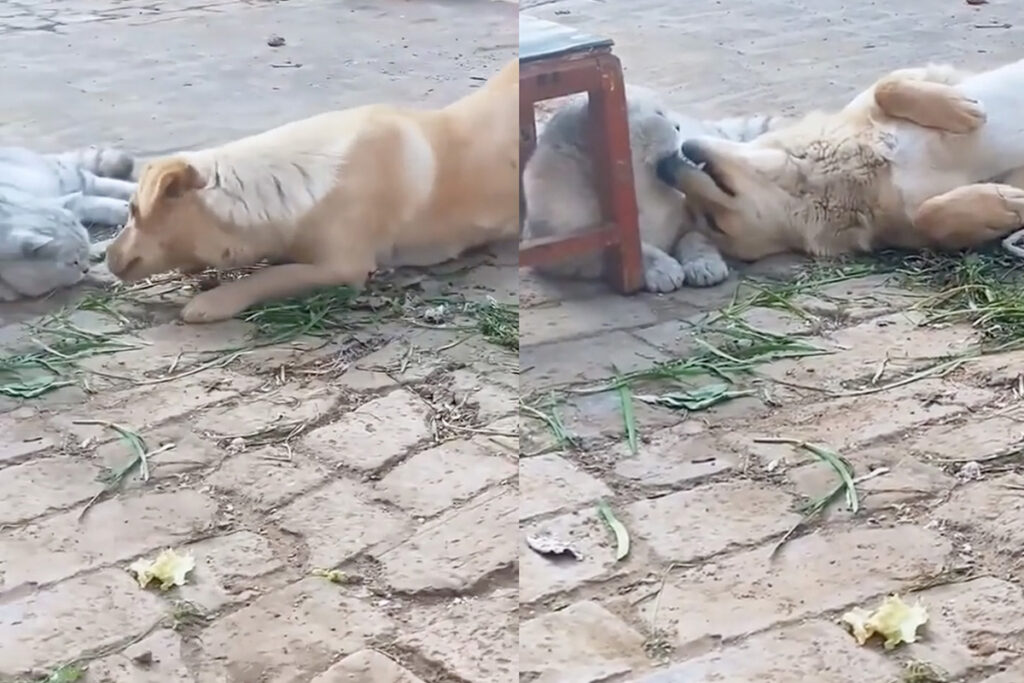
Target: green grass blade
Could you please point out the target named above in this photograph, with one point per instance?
(617, 528)
(626, 399)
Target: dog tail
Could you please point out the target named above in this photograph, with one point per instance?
(106, 162)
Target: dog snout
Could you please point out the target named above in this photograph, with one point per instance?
(118, 265)
(694, 151)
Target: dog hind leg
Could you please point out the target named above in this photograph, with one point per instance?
(971, 215)
(928, 103)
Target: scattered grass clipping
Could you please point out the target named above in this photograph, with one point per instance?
(68, 673)
(628, 418)
(739, 350)
(847, 485)
(548, 414)
(497, 322)
(617, 528)
(114, 478)
(344, 309)
(57, 346)
(694, 400)
(983, 288)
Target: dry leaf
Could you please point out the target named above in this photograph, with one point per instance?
(332, 575)
(169, 568)
(894, 620)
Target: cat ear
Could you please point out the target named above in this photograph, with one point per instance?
(31, 243)
(165, 179)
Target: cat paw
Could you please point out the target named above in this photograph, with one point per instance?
(662, 273)
(705, 270)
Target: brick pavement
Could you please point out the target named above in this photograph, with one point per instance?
(699, 598)
(420, 514)
(404, 475)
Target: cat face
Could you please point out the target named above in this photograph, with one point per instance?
(43, 248)
(653, 128)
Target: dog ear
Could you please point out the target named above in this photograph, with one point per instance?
(165, 179)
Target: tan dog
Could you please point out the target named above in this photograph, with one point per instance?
(925, 158)
(330, 199)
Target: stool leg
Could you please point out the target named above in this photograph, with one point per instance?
(613, 160)
(527, 142)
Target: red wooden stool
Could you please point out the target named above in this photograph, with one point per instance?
(554, 61)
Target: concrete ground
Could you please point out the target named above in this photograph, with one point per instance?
(700, 597)
(388, 453)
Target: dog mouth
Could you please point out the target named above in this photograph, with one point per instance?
(696, 158)
(709, 219)
(125, 272)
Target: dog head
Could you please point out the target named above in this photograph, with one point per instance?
(777, 192)
(745, 190)
(169, 227)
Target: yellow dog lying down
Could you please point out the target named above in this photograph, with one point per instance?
(924, 158)
(330, 199)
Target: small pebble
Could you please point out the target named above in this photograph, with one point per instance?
(275, 41)
(970, 471)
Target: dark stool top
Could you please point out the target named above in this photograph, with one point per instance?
(542, 39)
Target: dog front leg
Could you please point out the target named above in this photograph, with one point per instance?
(272, 282)
(971, 215)
(928, 104)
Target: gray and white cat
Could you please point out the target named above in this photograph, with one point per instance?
(562, 198)
(46, 202)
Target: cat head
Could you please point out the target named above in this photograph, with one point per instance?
(654, 129)
(42, 248)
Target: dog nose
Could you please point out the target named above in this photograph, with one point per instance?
(692, 150)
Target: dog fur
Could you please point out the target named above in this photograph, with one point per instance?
(562, 198)
(928, 157)
(329, 199)
(46, 202)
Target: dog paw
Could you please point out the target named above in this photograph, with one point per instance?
(209, 307)
(662, 273)
(967, 115)
(705, 270)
